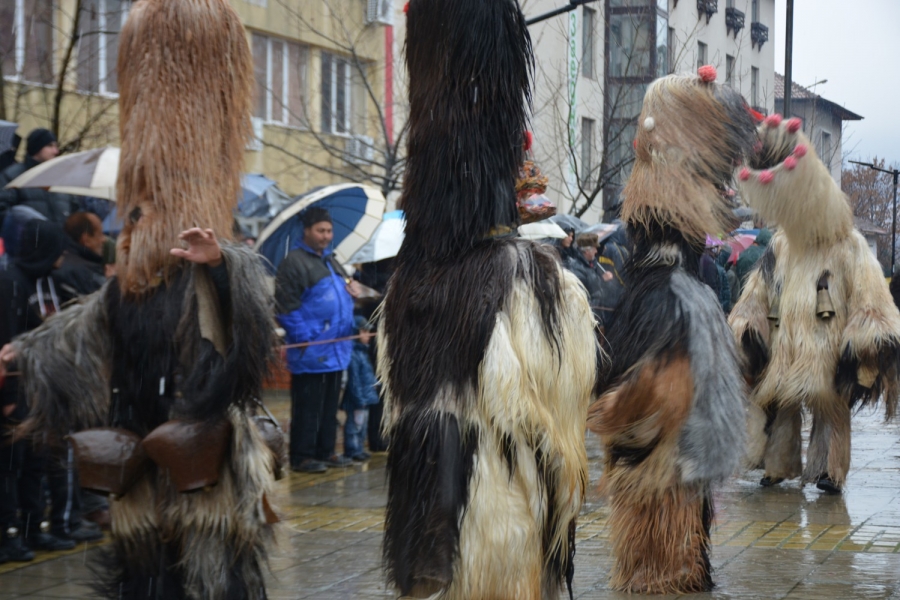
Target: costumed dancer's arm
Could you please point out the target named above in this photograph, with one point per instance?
(240, 362)
(749, 319)
(869, 366)
(65, 367)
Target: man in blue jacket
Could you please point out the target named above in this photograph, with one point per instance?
(315, 304)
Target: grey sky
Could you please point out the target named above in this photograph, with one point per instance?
(855, 46)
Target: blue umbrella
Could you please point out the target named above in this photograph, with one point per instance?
(356, 210)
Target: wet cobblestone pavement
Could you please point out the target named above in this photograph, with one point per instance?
(782, 542)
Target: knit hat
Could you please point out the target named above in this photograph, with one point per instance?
(313, 215)
(38, 140)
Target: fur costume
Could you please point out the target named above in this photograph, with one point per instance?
(815, 322)
(487, 348)
(171, 339)
(671, 417)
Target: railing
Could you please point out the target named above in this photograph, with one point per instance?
(708, 8)
(734, 20)
(759, 35)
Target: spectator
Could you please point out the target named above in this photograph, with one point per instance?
(27, 296)
(613, 256)
(360, 394)
(750, 256)
(582, 264)
(82, 271)
(41, 146)
(725, 282)
(314, 299)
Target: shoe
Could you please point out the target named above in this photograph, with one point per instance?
(13, 547)
(339, 462)
(100, 517)
(310, 466)
(826, 484)
(83, 532)
(361, 457)
(48, 541)
(770, 481)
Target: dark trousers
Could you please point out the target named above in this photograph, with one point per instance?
(314, 406)
(21, 472)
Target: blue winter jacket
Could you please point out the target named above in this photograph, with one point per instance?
(361, 388)
(314, 305)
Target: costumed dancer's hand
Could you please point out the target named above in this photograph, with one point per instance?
(202, 247)
(7, 356)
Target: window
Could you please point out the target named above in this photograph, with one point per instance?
(824, 148)
(98, 45)
(729, 70)
(26, 39)
(671, 40)
(729, 3)
(280, 70)
(662, 46)
(587, 151)
(754, 11)
(630, 45)
(343, 96)
(702, 54)
(754, 87)
(587, 43)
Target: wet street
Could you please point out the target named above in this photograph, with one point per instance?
(783, 542)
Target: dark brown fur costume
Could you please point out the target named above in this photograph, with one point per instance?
(672, 413)
(170, 339)
(486, 349)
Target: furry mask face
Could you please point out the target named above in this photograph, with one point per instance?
(692, 133)
(789, 186)
(185, 74)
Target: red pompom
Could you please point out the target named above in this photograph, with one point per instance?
(800, 150)
(529, 140)
(744, 175)
(634, 143)
(406, 8)
(766, 177)
(790, 163)
(707, 73)
(773, 120)
(757, 116)
(793, 125)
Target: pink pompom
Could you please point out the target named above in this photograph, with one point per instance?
(744, 175)
(766, 177)
(790, 163)
(793, 125)
(800, 150)
(707, 73)
(773, 120)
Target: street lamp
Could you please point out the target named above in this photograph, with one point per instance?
(572, 5)
(895, 173)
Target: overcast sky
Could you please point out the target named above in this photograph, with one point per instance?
(856, 47)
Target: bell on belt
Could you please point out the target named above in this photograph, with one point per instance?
(774, 315)
(824, 306)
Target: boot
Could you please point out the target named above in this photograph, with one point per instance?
(13, 548)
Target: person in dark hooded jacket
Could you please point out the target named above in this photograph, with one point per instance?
(27, 296)
(751, 255)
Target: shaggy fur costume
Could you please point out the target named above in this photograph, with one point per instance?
(170, 339)
(796, 353)
(487, 347)
(671, 417)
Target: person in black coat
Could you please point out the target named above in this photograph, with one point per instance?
(82, 271)
(27, 296)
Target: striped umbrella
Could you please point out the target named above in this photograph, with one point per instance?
(88, 173)
(356, 210)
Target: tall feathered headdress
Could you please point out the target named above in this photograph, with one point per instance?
(470, 67)
(185, 74)
(691, 135)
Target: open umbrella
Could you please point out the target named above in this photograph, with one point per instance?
(260, 197)
(88, 173)
(569, 221)
(356, 210)
(385, 242)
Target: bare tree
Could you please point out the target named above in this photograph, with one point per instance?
(328, 144)
(58, 67)
(871, 195)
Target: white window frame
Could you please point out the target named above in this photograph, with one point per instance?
(337, 59)
(271, 109)
(19, 51)
(102, 54)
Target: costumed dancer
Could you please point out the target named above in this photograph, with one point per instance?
(672, 415)
(486, 349)
(815, 321)
(169, 354)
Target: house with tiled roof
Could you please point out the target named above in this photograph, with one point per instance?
(823, 121)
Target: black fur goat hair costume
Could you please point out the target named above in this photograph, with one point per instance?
(487, 348)
(170, 339)
(671, 417)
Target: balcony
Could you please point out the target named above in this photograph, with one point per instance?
(734, 21)
(708, 8)
(759, 35)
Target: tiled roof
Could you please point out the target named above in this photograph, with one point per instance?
(798, 92)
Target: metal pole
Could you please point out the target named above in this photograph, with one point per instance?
(573, 4)
(894, 225)
(788, 58)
